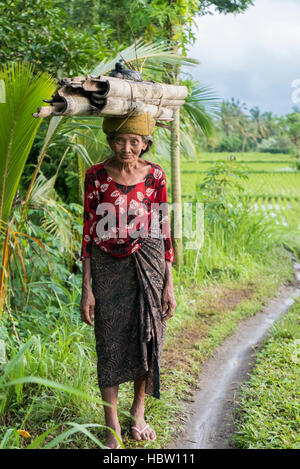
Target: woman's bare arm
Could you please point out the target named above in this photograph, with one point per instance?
(168, 297)
(87, 298)
(86, 274)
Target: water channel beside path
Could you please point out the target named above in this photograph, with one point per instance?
(210, 416)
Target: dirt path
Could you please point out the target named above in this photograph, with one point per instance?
(210, 423)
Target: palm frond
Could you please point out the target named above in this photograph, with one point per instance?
(146, 51)
(187, 145)
(199, 118)
(24, 93)
(199, 108)
(42, 191)
(161, 145)
(54, 124)
(93, 141)
(58, 221)
(205, 95)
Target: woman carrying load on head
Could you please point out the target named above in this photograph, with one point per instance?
(127, 253)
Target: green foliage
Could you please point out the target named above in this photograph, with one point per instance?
(221, 192)
(229, 143)
(155, 20)
(24, 93)
(226, 6)
(292, 125)
(231, 225)
(32, 358)
(36, 31)
(158, 19)
(239, 129)
(276, 144)
(144, 55)
(199, 108)
(65, 37)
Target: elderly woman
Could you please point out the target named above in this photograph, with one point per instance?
(129, 262)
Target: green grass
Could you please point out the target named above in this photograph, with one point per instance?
(268, 416)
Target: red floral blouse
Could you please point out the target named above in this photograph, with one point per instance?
(117, 217)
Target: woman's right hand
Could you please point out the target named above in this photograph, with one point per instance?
(87, 305)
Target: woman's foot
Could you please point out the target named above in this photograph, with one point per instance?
(140, 429)
(111, 442)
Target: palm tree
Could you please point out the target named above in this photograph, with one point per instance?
(258, 119)
(227, 119)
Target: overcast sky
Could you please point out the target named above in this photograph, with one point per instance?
(253, 57)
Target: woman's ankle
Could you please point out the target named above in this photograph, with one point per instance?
(114, 426)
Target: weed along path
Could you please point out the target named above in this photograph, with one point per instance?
(210, 416)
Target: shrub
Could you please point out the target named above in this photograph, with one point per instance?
(277, 144)
(230, 143)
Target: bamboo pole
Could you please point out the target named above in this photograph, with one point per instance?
(176, 189)
(111, 96)
(176, 181)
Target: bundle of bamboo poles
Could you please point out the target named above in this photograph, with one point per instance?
(111, 96)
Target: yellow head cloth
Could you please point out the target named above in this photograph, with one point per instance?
(143, 124)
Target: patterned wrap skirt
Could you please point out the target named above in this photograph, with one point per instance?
(129, 328)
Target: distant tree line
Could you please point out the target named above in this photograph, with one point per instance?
(239, 130)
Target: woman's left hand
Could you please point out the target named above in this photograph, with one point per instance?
(168, 301)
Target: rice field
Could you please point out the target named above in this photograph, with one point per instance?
(273, 183)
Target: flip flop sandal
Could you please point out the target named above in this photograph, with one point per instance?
(141, 431)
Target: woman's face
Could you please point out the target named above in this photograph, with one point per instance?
(128, 147)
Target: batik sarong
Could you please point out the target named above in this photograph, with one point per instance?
(129, 327)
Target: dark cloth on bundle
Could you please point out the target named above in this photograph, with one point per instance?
(129, 329)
